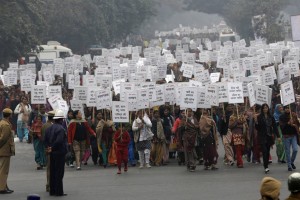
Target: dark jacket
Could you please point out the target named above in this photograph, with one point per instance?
(265, 135)
(56, 138)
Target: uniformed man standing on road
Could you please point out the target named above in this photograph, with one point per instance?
(7, 149)
(56, 144)
(44, 128)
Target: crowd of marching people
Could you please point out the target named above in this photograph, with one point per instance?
(155, 135)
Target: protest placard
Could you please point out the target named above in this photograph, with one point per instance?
(283, 73)
(142, 99)
(223, 92)
(38, 94)
(215, 77)
(91, 100)
(160, 96)
(170, 93)
(212, 95)
(120, 112)
(246, 81)
(188, 70)
(294, 67)
(103, 99)
(151, 87)
(189, 98)
(62, 105)
(53, 101)
(201, 98)
(76, 105)
(11, 78)
(125, 87)
(287, 93)
(235, 92)
(81, 93)
(251, 94)
(267, 77)
(26, 83)
(117, 85)
(132, 99)
(48, 77)
(261, 94)
(54, 90)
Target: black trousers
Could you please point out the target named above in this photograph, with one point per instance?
(95, 151)
(265, 148)
(57, 171)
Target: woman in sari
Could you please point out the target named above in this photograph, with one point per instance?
(208, 132)
(189, 129)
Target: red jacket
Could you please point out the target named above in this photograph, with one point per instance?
(72, 130)
(124, 141)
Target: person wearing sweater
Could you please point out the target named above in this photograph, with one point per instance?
(77, 136)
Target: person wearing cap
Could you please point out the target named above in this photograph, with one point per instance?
(7, 149)
(44, 128)
(294, 186)
(56, 144)
(270, 189)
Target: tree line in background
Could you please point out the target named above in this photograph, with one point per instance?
(80, 23)
(76, 23)
(239, 13)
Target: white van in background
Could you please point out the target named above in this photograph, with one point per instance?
(52, 50)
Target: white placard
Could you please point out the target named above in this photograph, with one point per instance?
(202, 103)
(76, 105)
(261, 94)
(89, 80)
(38, 94)
(26, 83)
(105, 81)
(62, 105)
(81, 93)
(251, 93)
(287, 93)
(160, 96)
(91, 100)
(151, 87)
(189, 98)
(235, 92)
(54, 90)
(132, 100)
(267, 78)
(214, 77)
(120, 113)
(53, 101)
(170, 93)
(104, 99)
(125, 87)
(223, 92)
(48, 77)
(143, 98)
(188, 70)
(212, 95)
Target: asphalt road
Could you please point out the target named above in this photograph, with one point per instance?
(171, 182)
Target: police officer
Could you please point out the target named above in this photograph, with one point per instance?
(7, 149)
(294, 186)
(56, 144)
